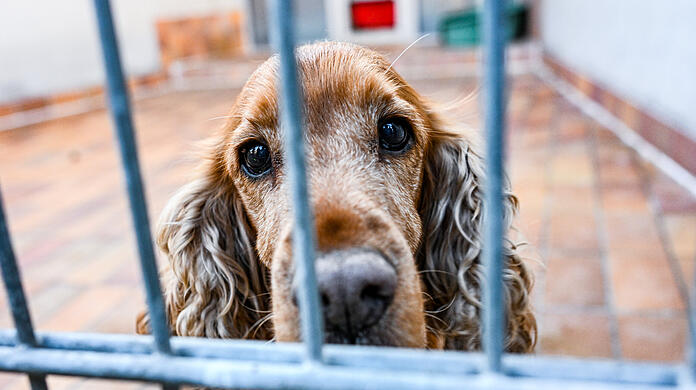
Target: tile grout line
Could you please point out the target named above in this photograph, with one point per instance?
(545, 232)
(658, 220)
(602, 236)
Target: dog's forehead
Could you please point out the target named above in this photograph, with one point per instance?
(336, 79)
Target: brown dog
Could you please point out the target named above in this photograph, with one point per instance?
(397, 201)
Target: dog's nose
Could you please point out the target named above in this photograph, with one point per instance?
(356, 287)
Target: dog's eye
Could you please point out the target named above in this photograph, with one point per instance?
(394, 135)
(256, 159)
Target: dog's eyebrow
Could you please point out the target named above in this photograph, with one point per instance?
(388, 104)
(248, 130)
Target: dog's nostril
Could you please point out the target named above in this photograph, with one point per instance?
(325, 301)
(373, 292)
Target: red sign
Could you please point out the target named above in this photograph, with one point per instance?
(372, 14)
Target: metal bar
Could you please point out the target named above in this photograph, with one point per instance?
(494, 107)
(121, 116)
(303, 230)
(15, 295)
(220, 373)
(376, 358)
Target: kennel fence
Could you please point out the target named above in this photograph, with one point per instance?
(173, 361)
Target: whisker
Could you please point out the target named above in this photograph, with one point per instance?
(258, 324)
(222, 117)
(440, 310)
(406, 49)
(425, 271)
(428, 315)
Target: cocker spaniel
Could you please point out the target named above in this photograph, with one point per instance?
(397, 199)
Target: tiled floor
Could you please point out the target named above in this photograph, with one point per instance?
(612, 241)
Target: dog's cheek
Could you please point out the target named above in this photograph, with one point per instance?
(408, 310)
(285, 313)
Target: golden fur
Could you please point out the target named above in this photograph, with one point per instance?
(227, 237)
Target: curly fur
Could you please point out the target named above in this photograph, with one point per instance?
(215, 286)
(449, 257)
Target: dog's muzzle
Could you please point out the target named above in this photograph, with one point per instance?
(356, 287)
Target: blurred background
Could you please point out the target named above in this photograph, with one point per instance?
(601, 147)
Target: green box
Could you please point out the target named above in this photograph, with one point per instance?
(463, 28)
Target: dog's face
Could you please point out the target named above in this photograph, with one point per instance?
(397, 207)
(365, 135)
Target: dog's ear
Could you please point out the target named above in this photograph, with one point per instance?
(449, 258)
(215, 285)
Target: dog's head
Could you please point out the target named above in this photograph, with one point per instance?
(397, 208)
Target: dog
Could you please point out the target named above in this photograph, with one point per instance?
(397, 200)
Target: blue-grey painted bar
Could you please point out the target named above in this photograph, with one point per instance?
(15, 295)
(384, 359)
(303, 230)
(494, 108)
(346, 367)
(119, 105)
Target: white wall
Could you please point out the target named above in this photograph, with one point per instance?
(642, 50)
(51, 46)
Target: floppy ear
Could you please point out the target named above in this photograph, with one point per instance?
(450, 254)
(215, 285)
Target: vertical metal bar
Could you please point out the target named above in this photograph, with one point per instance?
(121, 116)
(15, 295)
(303, 231)
(494, 107)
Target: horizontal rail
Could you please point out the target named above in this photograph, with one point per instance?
(208, 362)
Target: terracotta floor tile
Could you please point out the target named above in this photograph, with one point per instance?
(681, 233)
(574, 282)
(574, 231)
(85, 309)
(573, 199)
(65, 383)
(572, 128)
(629, 229)
(123, 320)
(648, 338)
(576, 334)
(642, 279)
(539, 115)
(45, 303)
(626, 200)
(7, 378)
(616, 168)
(572, 167)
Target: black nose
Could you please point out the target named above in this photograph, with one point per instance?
(356, 287)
